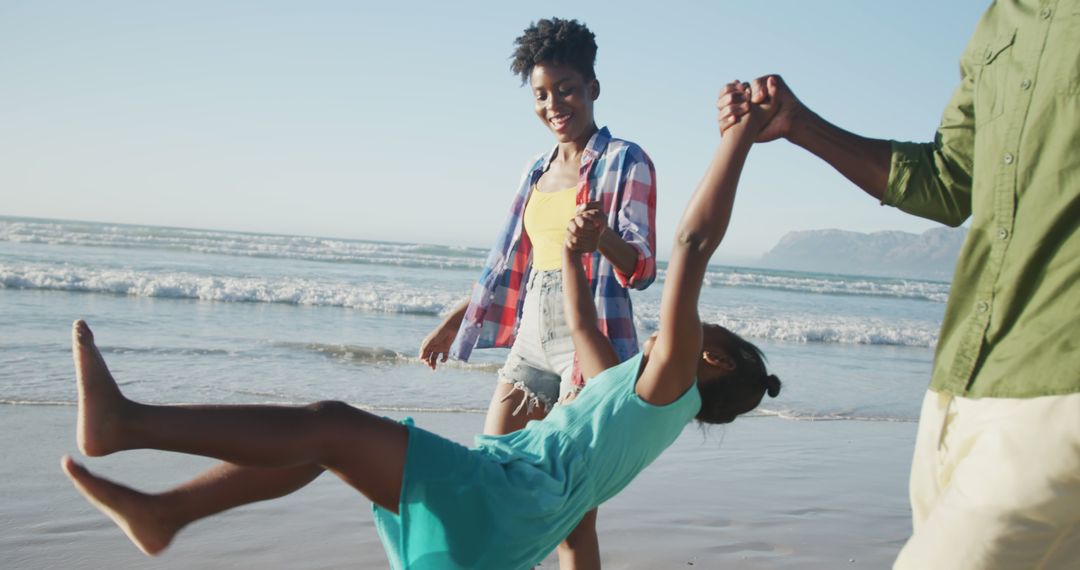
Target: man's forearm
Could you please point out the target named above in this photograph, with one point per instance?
(862, 160)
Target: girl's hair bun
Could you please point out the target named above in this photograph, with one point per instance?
(772, 385)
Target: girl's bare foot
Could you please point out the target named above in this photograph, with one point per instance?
(101, 405)
(132, 511)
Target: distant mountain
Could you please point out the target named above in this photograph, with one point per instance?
(929, 255)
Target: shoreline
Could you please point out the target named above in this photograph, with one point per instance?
(762, 492)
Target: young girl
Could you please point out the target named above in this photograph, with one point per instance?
(507, 502)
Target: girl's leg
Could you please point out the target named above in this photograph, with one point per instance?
(151, 521)
(364, 450)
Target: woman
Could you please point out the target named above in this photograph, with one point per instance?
(510, 500)
(588, 167)
(517, 300)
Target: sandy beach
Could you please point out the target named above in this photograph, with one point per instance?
(761, 493)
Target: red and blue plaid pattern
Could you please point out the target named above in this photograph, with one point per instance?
(620, 176)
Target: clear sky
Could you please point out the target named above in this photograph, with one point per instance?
(401, 120)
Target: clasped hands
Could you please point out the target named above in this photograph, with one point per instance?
(768, 93)
(585, 228)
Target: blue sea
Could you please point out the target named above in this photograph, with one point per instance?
(204, 316)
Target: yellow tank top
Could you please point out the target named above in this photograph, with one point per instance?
(546, 216)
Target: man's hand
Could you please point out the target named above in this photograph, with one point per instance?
(786, 115)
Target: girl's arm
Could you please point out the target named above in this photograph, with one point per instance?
(594, 351)
(673, 362)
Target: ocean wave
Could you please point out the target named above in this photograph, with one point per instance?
(810, 328)
(411, 299)
(379, 355)
(272, 246)
(241, 244)
(387, 298)
(17, 402)
(798, 416)
(830, 284)
(169, 351)
(836, 331)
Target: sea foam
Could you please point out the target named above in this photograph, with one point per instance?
(373, 297)
(240, 244)
(303, 248)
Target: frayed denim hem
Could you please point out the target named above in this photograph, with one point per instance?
(529, 399)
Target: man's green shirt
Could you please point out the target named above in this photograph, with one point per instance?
(1007, 154)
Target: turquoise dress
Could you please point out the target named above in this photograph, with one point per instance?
(510, 500)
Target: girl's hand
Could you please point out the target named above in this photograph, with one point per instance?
(783, 110)
(584, 231)
(732, 104)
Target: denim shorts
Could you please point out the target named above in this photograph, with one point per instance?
(541, 361)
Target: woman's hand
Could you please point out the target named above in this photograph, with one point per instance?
(437, 344)
(439, 341)
(584, 231)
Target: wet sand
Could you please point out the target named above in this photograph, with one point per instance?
(761, 493)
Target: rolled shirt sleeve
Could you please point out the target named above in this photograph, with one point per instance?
(933, 180)
(637, 220)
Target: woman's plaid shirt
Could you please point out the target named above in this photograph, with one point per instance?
(620, 176)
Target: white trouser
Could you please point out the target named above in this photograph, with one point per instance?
(995, 483)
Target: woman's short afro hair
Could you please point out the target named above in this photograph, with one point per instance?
(564, 42)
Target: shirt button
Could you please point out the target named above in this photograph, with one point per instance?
(1008, 158)
(1045, 13)
(982, 307)
(1025, 84)
(1003, 234)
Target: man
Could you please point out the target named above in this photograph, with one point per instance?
(995, 480)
